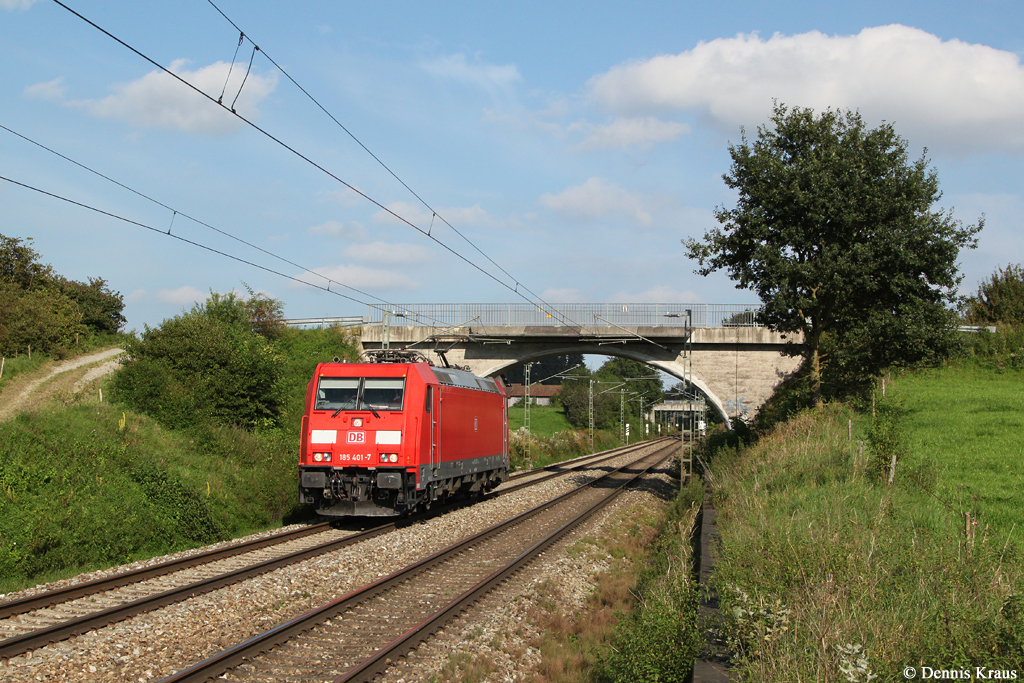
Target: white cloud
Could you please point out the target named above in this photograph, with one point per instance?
(157, 100)
(414, 213)
(361, 277)
(51, 91)
(476, 217)
(561, 295)
(347, 197)
(460, 217)
(659, 294)
(136, 296)
(388, 253)
(13, 5)
(491, 78)
(960, 95)
(353, 230)
(181, 296)
(642, 132)
(599, 199)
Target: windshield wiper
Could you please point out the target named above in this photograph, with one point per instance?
(359, 402)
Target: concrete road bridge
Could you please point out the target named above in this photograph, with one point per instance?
(733, 361)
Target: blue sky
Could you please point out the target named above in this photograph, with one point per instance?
(575, 144)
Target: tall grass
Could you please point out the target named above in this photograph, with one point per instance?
(828, 574)
(21, 364)
(657, 640)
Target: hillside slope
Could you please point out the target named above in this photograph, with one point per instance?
(29, 390)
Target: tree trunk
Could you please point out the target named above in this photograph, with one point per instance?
(815, 361)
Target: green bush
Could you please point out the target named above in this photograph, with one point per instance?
(1003, 349)
(100, 307)
(44, 319)
(1000, 299)
(203, 366)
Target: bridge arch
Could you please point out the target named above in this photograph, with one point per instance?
(674, 368)
(736, 366)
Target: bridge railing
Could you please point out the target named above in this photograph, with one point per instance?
(345, 321)
(587, 315)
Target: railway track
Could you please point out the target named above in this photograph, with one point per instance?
(37, 620)
(356, 637)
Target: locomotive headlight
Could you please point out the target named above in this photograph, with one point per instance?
(383, 457)
(357, 422)
(327, 457)
(318, 456)
(393, 457)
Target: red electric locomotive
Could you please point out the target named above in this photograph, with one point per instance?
(384, 438)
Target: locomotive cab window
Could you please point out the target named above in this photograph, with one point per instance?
(384, 393)
(360, 393)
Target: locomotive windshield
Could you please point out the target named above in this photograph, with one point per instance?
(360, 393)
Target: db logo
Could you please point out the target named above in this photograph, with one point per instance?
(357, 437)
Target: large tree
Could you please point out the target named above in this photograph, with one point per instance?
(834, 228)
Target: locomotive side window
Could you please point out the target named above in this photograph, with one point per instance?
(334, 393)
(384, 393)
(360, 393)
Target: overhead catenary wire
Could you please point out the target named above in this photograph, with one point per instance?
(434, 213)
(175, 213)
(186, 241)
(300, 155)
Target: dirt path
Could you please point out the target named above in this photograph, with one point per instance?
(71, 376)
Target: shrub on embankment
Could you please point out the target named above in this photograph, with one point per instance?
(90, 486)
(78, 491)
(829, 573)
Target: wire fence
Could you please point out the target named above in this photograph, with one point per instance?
(554, 315)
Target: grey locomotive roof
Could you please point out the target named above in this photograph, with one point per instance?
(461, 378)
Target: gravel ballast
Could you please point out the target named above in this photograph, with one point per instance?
(154, 645)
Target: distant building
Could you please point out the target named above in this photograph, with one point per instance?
(540, 394)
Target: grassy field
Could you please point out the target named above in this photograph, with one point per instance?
(830, 574)
(544, 420)
(966, 438)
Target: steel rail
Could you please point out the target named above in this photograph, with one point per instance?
(30, 640)
(16, 645)
(53, 597)
(557, 470)
(50, 598)
(378, 662)
(232, 657)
